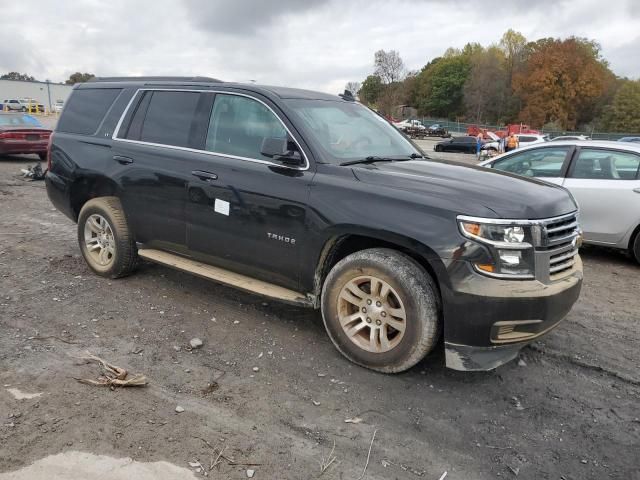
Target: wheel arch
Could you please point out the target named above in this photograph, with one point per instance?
(85, 188)
(346, 240)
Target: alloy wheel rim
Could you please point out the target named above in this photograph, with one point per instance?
(99, 240)
(371, 314)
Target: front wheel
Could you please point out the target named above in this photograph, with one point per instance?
(438, 148)
(381, 309)
(105, 240)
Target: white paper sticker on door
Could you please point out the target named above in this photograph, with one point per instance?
(221, 206)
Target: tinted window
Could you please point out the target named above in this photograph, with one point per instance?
(169, 118)
(85, 110)
(238, 126)
(605, 165)
(539, 162)
(526, 139)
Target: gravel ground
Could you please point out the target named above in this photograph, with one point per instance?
(269, 386)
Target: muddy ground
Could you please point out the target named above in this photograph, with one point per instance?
(568, 411)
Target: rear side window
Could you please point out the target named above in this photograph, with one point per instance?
(169, 118)
(85, 110)
(605, 165)
(525, 139)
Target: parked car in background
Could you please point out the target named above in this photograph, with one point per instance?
(523, 138)
(19, 134)
(58, 106)
(464, 144)
(603, 177)
(30, 104)
(570, 137)
(13, 104)
(410, 124)
(630, 139)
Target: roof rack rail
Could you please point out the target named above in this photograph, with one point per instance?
(154, 79)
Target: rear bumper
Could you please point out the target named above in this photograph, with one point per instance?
(488, 321)
(9, 147)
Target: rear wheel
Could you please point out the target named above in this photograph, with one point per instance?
(105, 240)
(381, 310)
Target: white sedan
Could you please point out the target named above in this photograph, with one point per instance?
(603, 177)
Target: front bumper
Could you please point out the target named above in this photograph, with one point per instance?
(488, 320)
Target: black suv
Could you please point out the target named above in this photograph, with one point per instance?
(316, 200)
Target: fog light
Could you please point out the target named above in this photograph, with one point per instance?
(510, 258)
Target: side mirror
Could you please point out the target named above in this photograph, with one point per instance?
(279, 150)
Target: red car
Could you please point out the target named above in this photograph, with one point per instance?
(20, 133)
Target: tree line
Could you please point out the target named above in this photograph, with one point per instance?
(550, 83)
(74, 78)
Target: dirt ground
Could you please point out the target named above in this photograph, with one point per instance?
(568, 410)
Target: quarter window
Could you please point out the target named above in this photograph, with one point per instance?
(85, 110)
(541, 162)
(605, 165)
(238, 126)
(169, 117)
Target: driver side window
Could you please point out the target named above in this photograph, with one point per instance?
(540, 162)
(239, 125)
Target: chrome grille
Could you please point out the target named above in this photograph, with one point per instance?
(557, 251)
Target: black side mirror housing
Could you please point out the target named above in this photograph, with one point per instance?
(280, 151)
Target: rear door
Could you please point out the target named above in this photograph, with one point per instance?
(152, 161)
(606, 186)
(546, 163)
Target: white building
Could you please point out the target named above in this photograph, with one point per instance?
(45, 93)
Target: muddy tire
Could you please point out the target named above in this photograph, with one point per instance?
(635, 248)
(381, 309)
(105, 240)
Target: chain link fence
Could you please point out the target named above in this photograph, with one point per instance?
(461, 128)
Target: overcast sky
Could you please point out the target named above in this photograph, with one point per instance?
(317, 44)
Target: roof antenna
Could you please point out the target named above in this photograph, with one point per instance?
(348, 96)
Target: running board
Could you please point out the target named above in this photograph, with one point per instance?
(225, 277)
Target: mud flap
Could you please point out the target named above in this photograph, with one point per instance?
(466, 358)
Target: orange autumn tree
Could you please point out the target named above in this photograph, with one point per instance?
(561, 79)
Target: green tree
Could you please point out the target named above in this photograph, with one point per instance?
(623, 115)
(487, 86)
(17, 76)
(370, 90)
(79, 78)
(440, 85)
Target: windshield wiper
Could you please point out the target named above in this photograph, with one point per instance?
(372, 159)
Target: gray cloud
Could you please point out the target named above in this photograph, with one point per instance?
(317, 44)
(244, 17)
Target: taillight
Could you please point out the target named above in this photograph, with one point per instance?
(49, 160)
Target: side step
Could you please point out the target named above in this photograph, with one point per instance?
(226, 277)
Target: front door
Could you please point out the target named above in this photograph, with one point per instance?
(246, 213)
(606, 186)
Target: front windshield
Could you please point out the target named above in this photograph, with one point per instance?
(349, 131)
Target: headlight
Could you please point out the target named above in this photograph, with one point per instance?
(510, 246)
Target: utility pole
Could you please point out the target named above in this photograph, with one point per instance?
(49, 93)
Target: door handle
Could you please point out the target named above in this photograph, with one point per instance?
(206, 176)
(122, 160)
(637, 190)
